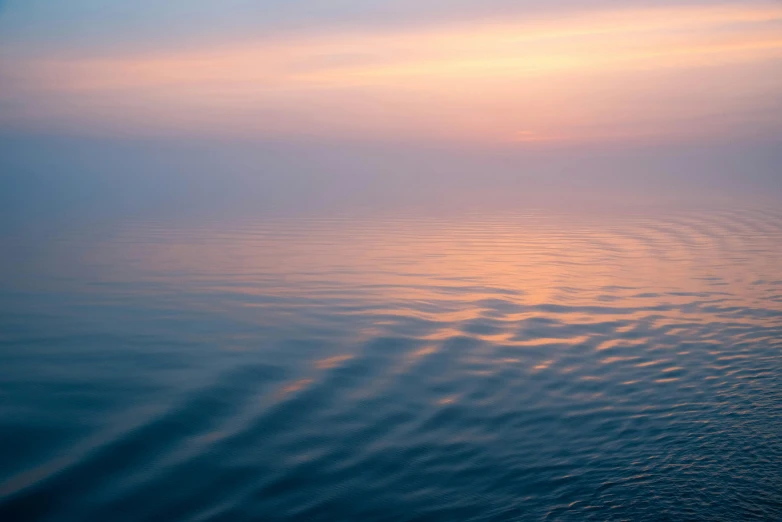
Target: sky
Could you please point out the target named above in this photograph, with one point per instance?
(575, 78)
(476, 72)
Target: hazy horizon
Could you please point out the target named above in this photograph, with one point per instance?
(307, 106)
(390, 261)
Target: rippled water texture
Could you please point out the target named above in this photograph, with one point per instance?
(533, 366)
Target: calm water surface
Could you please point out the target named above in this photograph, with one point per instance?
(512, 366)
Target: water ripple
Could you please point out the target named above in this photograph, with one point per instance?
(516, 367)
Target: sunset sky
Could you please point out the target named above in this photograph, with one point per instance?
(484, 73)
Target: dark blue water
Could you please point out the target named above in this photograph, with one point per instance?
(536, 365)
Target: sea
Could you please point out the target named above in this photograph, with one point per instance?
(611, 363)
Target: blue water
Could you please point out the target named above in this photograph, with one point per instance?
(531, 365)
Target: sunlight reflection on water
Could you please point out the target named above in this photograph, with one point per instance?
(556, 366)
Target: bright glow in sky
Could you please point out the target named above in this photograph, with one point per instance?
(644, 74)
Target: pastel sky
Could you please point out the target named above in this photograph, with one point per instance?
(494, 72)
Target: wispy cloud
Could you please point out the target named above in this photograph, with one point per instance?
(641, 73)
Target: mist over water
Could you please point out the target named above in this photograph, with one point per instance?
(390, 261)
(388, 360)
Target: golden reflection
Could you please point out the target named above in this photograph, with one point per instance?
(652, 363)
(551, 340)
(332, 362)
(543, 365)
(423, 352)
(616, 359)
(447, 400)
(295, 386)
(444, 333)
(496, 286)
(491, 296)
